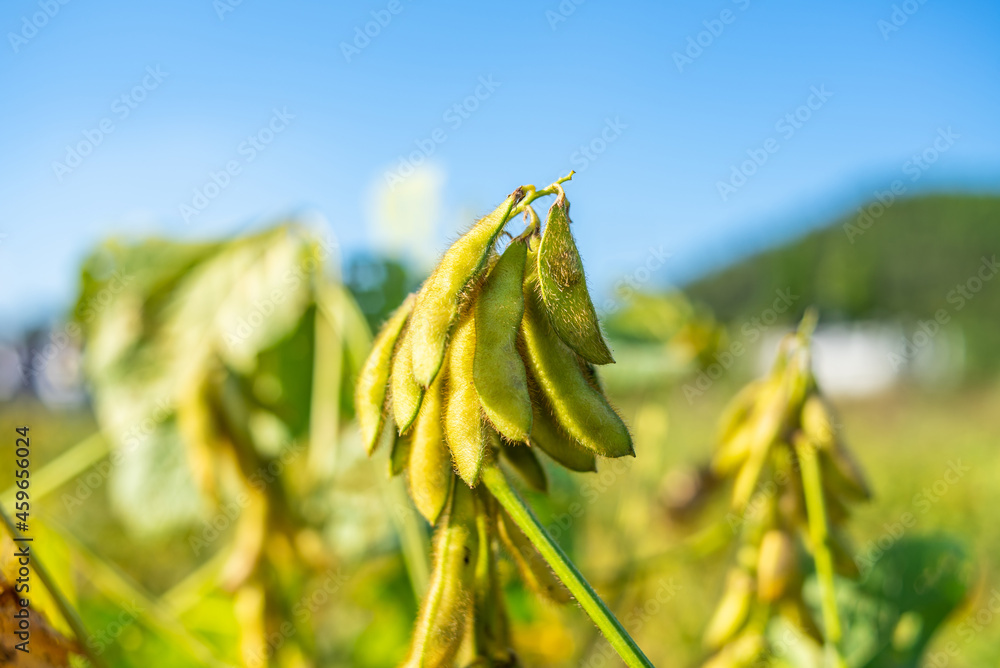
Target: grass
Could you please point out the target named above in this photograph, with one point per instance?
(661, 578)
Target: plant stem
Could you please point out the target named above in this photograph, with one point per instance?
(66, 466)
(531, 194)
(108, 579)
(816, 513)
(412, 537)
(564, 569)
(62, 603)
(324, 413)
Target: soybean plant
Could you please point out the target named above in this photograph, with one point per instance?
(792, 480)
(493, 358)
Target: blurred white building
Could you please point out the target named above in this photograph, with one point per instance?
(866, 358)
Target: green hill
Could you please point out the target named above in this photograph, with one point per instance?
(915, 259)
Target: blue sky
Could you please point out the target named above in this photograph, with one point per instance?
(198, 80)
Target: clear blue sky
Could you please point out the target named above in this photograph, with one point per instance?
(678, 130)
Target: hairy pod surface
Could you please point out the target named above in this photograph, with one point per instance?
(523, 460)
(438, 301)
(578, 406)
(373, 379)
(406, 392)
(533, 568)
(449, 599)
(733, 609)
(465, 432)
(563, 288)
(491, 633)
(399, 457)
(430, 471)
(500, 377)
(547, 435)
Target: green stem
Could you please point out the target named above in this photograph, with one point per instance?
(118, 587)
(557, 560)
(62, 603)
(816, 514)
(531, 194)
(324, 414)
(63, 468)
(412, 537)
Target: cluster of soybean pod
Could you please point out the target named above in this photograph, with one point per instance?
(792, 480)
(493, 357)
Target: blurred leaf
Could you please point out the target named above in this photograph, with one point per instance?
(890, 617)
(153, 489)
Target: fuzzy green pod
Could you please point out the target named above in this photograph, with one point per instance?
(448, 603)
(500, 377)
(550, 438)
(373, 380)
(491, 631)
(578, 406)
(438, 301)
(399, 457)
(563, 287)
(523, 459)
(429, 472)
(465, 432)
(406, 392)
(533, 568)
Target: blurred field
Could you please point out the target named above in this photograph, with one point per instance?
(662, 578)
